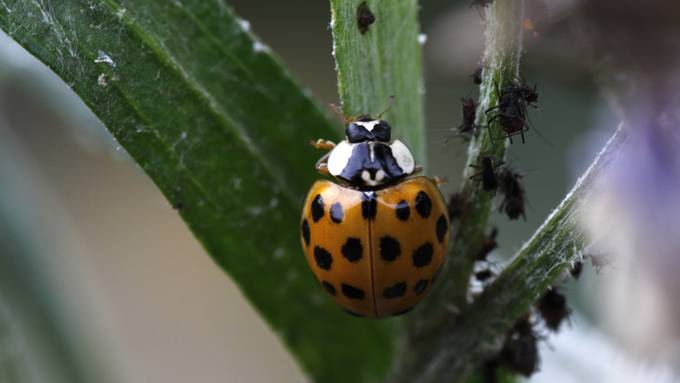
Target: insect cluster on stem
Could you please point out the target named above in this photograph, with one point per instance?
(508, 181)
(511, 112)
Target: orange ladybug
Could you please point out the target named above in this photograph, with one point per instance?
(375, 238)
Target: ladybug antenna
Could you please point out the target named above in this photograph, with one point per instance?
(389, 106)
(338, 111)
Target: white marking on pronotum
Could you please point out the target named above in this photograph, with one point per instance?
(422, 38)
(369, 125)
(366, 177)
(339, 157)
(403, 156)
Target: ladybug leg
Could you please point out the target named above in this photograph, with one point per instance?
(323, 169)
(322, 165)
(322, 144)
(439, 180)
(417, 169)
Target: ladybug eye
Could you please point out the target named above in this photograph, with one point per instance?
(356, 133)
(382, 131)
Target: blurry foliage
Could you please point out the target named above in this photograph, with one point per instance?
(214, 119)
(35, 344)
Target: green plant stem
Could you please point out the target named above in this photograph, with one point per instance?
(504, 34)
(384, 61)
(456, 348)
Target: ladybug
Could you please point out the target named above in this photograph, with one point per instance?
(376, 235)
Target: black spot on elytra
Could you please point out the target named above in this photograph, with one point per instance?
(420, 286)
(323, 258)
(389, 248)
(396, 291)
(352, 292)
(317, 208)
(422, 256)
(364, 17)
(329, 287)
(423, 204)
(402, 210)
(337, 214)
(352, 249)
(402, 312)
(442, 227)
(305, 231)
(369, 205)
(353, 313)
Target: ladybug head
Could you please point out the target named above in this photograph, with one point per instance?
(368, 129)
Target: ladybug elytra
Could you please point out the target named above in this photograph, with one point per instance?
(375, 237)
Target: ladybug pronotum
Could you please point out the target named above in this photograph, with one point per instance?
(376, 237)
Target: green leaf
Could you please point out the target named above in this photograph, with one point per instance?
(384, 61)
(219, 125)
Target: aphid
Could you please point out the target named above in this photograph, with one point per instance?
(553, 309)
(487, 173)
(456, 206)
(513, 193)
(376, 236)
(576, 270)
(489, 371)
(469, 115)
(520, 351)
(364, 17)
(178, 205)
(477, 75)
(488, 245)
(528, 93)
(511, 110)
(484, 275)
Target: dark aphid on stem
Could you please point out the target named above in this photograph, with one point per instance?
(487, 173)
(456, 206)
(520, 351)
(477, 75)
(576, 270)
(484, 275)
(511, 110)
(488, 245)
(469, 109)
(513, 193)
(364, 17)
(553, 309)
(489, 372)
(527, 93)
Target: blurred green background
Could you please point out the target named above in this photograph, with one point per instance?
(92, 256)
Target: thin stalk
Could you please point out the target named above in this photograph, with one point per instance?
(504, 34)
